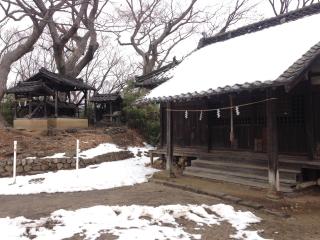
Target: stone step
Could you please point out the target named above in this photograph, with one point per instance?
(254, 169)
(234, 179)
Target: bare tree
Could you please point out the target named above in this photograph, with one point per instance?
(283, 6)
(17, 43)
(108, 71)
(157, 26)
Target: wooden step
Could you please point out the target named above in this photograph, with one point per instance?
(254, 169)
(263, 178)
(233, 179)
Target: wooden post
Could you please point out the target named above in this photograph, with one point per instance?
(94, 113)
(56, 104)
(309, 124)
(272, 144)
(169, 140)
(161, 126)
(110, 111)
(85, 103)
(231, 122)
(45, 106)
(15, 107)
(30, 106)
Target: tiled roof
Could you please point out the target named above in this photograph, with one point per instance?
(105, 97)
(156, 77)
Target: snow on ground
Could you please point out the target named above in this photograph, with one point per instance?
(131, 222)
(101, 176)
(56, 155)
(100, 150)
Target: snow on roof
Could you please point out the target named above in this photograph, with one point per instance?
(261, 56)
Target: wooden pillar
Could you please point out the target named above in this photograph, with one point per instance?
(56, 104)
(85, 102)
(94, 113)
(29, 106)
(169, 140)
(45, 106)
(272, 142)
(309, 124)
(231, 122)
(15, 107)
(161, 126)
(110, 111)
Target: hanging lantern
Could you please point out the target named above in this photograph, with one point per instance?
(19, 104)
(25, 103)
(186, 114)
(201, 115)
(218, 113)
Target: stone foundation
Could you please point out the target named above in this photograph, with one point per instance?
(40, 165)
(46, 123)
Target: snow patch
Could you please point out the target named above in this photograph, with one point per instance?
(131, 222)
(101, 149)
(100, 176)
(56, 155)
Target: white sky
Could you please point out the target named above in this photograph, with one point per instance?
(191, 43)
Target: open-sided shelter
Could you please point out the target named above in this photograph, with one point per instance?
(44, 101)
(107, 107)
(246, 104)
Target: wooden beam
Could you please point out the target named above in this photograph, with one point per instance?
(169, 140)
(272, 142)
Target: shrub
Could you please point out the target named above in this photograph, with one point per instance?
(6, 109)
(145, 119)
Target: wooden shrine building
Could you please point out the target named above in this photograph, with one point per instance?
(44, 101)
(245, 107)
(107, 107)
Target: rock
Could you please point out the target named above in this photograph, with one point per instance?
(66, 165)
(69, 160)
(9, 162)
(2, 170)
(26, 168)
(55, 160)
(19, 169)
(23, 162)
(71, 130)
(59, 166)
(44, 167)
(30, 161)
(8, 168)
(3, 163)
(36, 168)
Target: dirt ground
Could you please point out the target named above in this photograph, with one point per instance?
(304, 225)
(41, 144)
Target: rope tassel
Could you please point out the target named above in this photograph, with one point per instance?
(201, 115)
(186, 114)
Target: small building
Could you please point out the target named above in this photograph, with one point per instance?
(44, 101)
(107, 107)
(245, 107)
(157, 77)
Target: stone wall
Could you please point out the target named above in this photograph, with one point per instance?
(41, 165)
